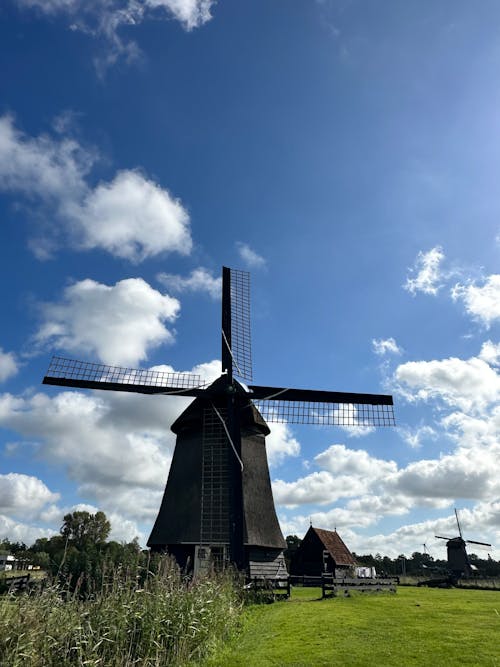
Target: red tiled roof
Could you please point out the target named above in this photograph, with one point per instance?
(335, 546)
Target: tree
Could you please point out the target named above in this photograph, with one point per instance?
(292, 544)
(83, 529)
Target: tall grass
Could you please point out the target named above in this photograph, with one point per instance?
(132, 619)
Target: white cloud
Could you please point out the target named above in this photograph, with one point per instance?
(42, 167)
(460, 475)
(281, 443)
(133, 218)
(191, 13)
(125, 530)
(414, 436)
(339, 460)
(199, 280)
(118, 323)
(318, 488)
(345, 473)
(383, 346)
(104, 19)
(22, 532)
(490, 353)
(469, 384)
(130, 217)
(116, 447)
(8, 365)
(426, 275)
(250, 257)
(482, 302)
(23, 494)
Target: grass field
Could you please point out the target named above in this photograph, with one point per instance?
(416, 626)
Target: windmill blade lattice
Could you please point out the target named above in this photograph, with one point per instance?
(240, 336)
(327, 414)
(87, 375)
(332, 408)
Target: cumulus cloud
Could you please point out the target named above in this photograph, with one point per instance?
(340, 460)
(23, 494)
(116, 447)
(281, 443)
(42, 167)
(470, 384)
(345, 473)
(250, 257)
(482, 302)
(18, 531)
(318, 488)
(490, 353)
(460, 475)
(8, 365)
(199, 280)
(426, 275)
(385, 346)
(86, 434)
(117, 323)
(104, 19)
(129, 217)
(132, 218)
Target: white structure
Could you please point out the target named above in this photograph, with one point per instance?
(366, 572)
(7, 562)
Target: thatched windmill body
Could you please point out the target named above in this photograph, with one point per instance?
(218, 502)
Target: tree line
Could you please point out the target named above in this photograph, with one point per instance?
(81, 554)
(82, 546)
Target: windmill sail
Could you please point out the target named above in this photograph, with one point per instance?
(86, 375)
(332, 408)
(236, 338)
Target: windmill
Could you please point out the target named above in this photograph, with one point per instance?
(218, 502)
(459, 563)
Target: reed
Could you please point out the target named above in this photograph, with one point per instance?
(133, 617)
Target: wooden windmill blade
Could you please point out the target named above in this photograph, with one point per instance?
(87, 375)
(333, 408)
(483, 544)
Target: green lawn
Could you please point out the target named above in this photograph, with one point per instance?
(416, 626)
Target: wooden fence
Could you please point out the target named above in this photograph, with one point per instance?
(332, 587)
(273, 588)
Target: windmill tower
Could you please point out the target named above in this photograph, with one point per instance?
(218, 502)
(458, 560)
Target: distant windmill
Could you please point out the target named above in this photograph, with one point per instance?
(218, 502)
(459, 563)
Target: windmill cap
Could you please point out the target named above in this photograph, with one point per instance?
(216, 394)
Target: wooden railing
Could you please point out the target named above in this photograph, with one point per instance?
(332, 587)
(15, 583)
(275, 588)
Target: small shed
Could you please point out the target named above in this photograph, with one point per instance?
(322, 551)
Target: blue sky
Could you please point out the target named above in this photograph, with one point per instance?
(347, 155)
